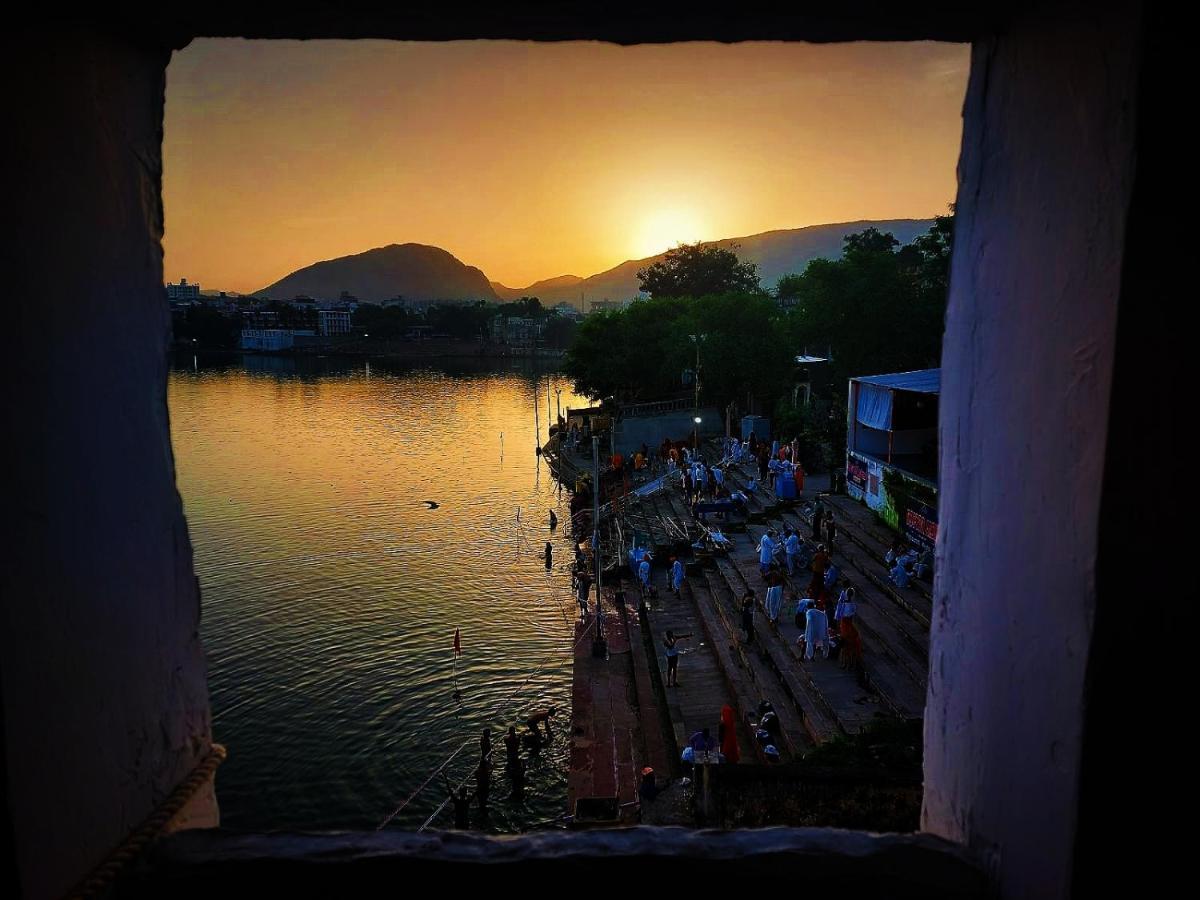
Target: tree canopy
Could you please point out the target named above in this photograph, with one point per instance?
(698, 270)
(878, 308)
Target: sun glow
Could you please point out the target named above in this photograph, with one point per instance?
(664, 228)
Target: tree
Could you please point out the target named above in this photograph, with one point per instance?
(788, 288)
(877, 309)
(870, 240)
(628, 353)
(698, 270)
(524, 308)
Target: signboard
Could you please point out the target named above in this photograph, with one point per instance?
(856, 472)
(874, 477)
(920, 524)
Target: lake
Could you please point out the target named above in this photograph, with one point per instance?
(331, 591)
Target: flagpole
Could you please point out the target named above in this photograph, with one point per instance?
(454, 663)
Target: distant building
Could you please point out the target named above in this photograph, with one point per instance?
(515, 329)
(333, 321)
(260, 319)
(183, 290)
(418, 332)
(567, 311)
(267, 339)
(604, 305)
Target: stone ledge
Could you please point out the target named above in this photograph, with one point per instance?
(199, 863)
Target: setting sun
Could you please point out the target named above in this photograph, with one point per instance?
(664, 228)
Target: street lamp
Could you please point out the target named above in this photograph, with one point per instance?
(696, 434)
(558, 401)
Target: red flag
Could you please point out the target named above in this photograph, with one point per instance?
(457, 644)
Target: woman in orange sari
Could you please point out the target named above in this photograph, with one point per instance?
(851, 652)
(728, 735)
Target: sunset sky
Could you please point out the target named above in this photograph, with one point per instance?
(536, 160)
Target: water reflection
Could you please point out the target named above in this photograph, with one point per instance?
(331, 591)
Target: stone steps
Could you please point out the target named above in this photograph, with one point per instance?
(747, 679)
(804, 720)
(894, 684)
(830, 697)
(912, 601)
(703, 688)
(911, 627)
(874, 538)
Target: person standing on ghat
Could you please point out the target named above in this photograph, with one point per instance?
(748, 615)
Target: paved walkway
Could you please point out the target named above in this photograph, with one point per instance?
(607, 751)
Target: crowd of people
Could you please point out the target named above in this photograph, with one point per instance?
(905, 563)
(826, 614)
(826, 609)
(763, 724)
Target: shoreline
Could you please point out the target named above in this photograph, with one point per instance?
(388, 350)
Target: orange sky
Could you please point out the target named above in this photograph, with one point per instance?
(535, 160)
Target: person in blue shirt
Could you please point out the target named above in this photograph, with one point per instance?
(791, 548)
(676, 574)
(831, 576)
(670, 643)
(702, 742)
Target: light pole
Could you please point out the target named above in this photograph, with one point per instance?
(696, 434)
(698, 339)
(558, 401)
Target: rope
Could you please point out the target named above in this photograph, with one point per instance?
(102, 876)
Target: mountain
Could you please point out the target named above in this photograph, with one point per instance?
(420, 272)
(777, 253)
(540, 289)
(415, 271)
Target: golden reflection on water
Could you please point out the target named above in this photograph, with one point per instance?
(331, 591)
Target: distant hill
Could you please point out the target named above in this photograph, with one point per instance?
(777, 253)
(415, 271)
(541, 289)
(421, 272)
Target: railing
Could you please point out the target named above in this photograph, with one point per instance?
(655, 408)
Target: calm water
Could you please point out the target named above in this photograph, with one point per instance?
(331, 592)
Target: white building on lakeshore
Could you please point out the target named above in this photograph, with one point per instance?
(333, 321)
(183, 290)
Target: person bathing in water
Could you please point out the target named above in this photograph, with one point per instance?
(541, 717)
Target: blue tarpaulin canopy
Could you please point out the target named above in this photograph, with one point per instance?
(922, 381)
(875, 394)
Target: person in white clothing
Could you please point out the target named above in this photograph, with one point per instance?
(774, 601)
(846, 607)
(766, 553)
(816, 632)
